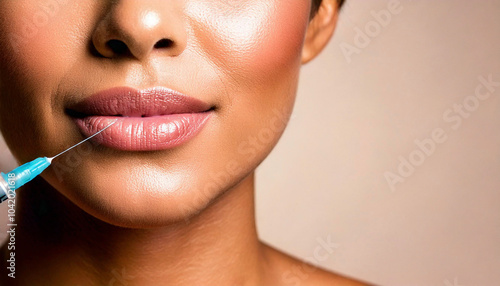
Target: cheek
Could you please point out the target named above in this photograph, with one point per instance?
(32, 33)
(279, 45)
(34, 59)
(36, 47)
(258, 39)
(257, 48)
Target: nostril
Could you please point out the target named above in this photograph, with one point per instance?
(163, 43)
(118, 47)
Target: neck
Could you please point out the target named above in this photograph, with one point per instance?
(59, 244)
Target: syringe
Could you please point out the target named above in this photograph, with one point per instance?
(21, 175)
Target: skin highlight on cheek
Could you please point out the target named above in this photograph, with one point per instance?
(251, 38)
(281, 48)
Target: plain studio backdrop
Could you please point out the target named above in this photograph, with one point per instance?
(389, 170)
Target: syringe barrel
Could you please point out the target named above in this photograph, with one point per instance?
(26, 172)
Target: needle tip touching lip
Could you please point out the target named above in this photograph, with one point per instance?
(52, 158)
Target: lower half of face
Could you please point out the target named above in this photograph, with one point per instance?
(240, 57)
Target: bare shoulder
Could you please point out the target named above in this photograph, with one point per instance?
(284, 269)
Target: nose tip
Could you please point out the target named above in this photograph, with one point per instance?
(137, 28)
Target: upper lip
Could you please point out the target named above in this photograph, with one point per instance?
(131, 102)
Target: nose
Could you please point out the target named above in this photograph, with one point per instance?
(137, 28)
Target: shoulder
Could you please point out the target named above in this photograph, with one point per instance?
(284, 269)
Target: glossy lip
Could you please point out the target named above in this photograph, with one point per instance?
(151, 119)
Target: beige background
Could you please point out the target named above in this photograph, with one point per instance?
(351, 123)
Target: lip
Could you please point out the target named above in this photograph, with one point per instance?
(146, 120)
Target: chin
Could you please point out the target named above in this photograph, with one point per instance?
(155, 200)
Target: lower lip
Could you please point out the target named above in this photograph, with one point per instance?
(144, 133)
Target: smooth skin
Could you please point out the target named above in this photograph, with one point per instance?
(183, 216)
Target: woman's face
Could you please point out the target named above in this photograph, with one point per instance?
(240, 58)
